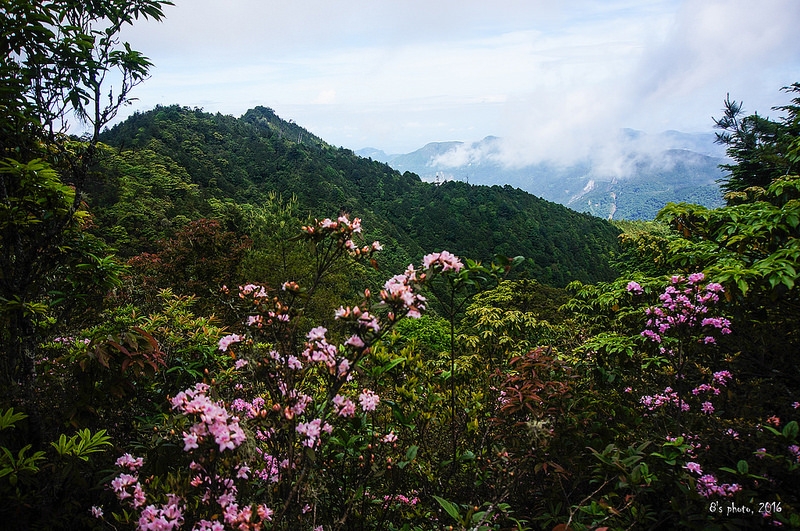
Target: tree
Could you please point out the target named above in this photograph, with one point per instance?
(758, 145)
(56, 62)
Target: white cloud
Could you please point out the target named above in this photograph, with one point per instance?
(553, 78)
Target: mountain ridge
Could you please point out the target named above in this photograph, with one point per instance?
(226, 162)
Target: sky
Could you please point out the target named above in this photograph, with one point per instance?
(555, 79)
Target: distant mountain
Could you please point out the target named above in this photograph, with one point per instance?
(174, 164)
(634, 180)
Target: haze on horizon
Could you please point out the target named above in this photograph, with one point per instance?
(555, 80)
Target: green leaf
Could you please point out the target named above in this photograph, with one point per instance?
(411, 453)
(9, 418)
(742, 467)
(790, 430)
(451, 508)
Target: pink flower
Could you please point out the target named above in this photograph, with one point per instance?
(389, 437)
(227, 341)
(444, 259)
(317, 334)
(355, 342)
(139, 497)
(264, 512)
(240, 363)
(795, 451)
(368, 400)
(707, 408)
(129, 462)
(694, 467)
(344, 367)
(311, 430)
(694, 278)
(722, 377)
(120, 483)
(732, 433)
(344, 407)
(634, 287)
(97, 512)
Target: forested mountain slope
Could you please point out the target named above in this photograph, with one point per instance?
(174, 164)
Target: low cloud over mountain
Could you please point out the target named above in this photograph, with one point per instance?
(631, 176)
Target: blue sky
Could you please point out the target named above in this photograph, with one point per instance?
(553, 78)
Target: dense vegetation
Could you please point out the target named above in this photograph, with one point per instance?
(180, 162)
(242, 361)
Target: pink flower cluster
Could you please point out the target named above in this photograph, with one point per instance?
(669, 396)
(229, 340)
(256, 290)
(251, 408)
(312, 431)
(401, 499)
(634, 288)
(130, 462)
(707, 484)
(684, 308)
(398, 293)
(223, 491)
(369, 400)
(795, 451)
(319, 350)
(122, 485)
(71, 340)
(128, 490)
(720, 378)
(166, 517)
(214, 420)
(445, 260)
(342, 226)
(366, 322)
(344, 407)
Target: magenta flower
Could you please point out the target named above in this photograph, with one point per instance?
(722, 377)
(707, 408)
(634, 287)
(694, 467)
(795, 451)
(694, 278)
